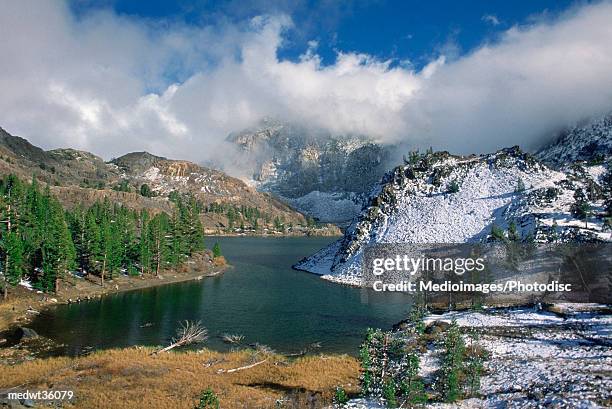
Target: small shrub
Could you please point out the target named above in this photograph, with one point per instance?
(208, 400)
(340, 397)
(497, 233)
(389, 392)
(453, 187)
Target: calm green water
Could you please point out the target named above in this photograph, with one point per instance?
(261, 297)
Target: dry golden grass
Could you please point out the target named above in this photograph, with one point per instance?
(132, 378)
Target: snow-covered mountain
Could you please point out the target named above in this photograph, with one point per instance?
(586, 142)
(324, 175)
(441, 198)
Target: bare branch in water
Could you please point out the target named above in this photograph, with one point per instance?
(189, 332)
(235, 339)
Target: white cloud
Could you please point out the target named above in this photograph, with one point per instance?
(491, 19)
(111, 84)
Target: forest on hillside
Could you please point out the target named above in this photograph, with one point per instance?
(41, 242)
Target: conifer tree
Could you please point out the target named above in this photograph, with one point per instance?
(144, 245)
(91, 245)
(57, 249)
(157, 235)
(513, 234)
(13, 251)
(13, 247)
(216, 250)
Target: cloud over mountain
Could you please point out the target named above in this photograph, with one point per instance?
(111, 83)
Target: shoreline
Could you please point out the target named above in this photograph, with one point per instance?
(24, 304)
(273, 235)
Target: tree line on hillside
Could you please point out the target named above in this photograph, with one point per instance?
(248, 217)
(41, 242)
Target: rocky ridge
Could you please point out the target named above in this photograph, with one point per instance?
(442, 198)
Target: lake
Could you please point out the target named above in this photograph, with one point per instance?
(261, 297)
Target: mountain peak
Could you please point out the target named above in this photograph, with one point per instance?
(137, 161)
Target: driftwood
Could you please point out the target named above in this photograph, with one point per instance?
(242, 367)
(189, 332)
(235, 339)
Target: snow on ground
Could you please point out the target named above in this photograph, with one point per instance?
(541, 359)
(537, 359)
(25, 283)
(327, 207)
(463, 216)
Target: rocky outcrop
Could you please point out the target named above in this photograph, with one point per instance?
(441, 198)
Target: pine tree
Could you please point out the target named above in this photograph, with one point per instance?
(42, 241)
(13, 247)
(581, 207)
(57, 249)
(157, 234)
(144, 245)
(216, 250)
(453, 187)
(520, 186)
(76, 224)
(196, 230)
(7, 240)
(449, 384)
(146, 191)
(513, 234)
(92, 242)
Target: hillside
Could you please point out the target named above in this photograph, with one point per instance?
(228, 204)
(441, 198)
(591, 142)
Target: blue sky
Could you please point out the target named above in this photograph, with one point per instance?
(400, 30)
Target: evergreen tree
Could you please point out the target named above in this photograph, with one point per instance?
(146, 191)
(157, 234)
(520, 186)
(497, 233)
(10, 241)
(57, 250)
(449, 383)
(196, 230)
(453, 187)
(40, 240)
(92, 251)
(581, 207)
(14, 266)
(216, 250)
(513, 234)
(144, 245)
